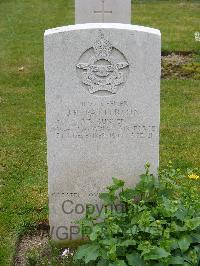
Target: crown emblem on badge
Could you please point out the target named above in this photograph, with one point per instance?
(103, 72)
(102, 47)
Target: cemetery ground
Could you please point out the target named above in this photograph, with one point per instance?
(23, 169)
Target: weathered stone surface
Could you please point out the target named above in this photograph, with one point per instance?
(97, 11)
(103, 112)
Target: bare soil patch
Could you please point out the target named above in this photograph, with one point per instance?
(180, 66)
(36, 249)
(27, 243)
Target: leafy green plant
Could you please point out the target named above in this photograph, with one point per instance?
(158, 222)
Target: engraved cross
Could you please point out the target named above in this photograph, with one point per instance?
(103, 11)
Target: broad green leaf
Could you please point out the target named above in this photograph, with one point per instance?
(193, 223)
(177, 228)
(156, 231)
(184, 243)
(187, 260)
(146, 184)
(176, 260)
(82, 250)
(109, 242)
(88, 253)
(156, 253)
(168, 207)
(145, 247)
(127, 243)
(103, 263)
(95, 233)
(127, 194)
(118, 183)
(145, 218)
(197, 248)
(134, 230)
(181, 213)
(195, 238)
(108, 198)
(134, 259)
(174, 244)
(118, 263)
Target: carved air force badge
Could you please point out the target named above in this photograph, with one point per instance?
(106, 67)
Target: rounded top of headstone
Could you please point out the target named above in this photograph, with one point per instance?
(89, 26)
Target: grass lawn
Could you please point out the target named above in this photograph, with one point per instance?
(180, 123)
(23, 170)
(177, 21)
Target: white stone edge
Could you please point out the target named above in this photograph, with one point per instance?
(88, 26)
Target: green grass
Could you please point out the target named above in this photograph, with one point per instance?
(180, 123)
(23, 170)
(177, 21)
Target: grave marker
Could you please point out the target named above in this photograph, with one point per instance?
(100, 11)
(103, 114)
(103, 12)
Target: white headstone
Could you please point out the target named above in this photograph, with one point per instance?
(103, 113)
(97, 11)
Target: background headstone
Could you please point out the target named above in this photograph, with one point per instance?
(99, 11)
(103, 113)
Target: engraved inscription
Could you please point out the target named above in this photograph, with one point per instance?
(105, 69)
(109, 119)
